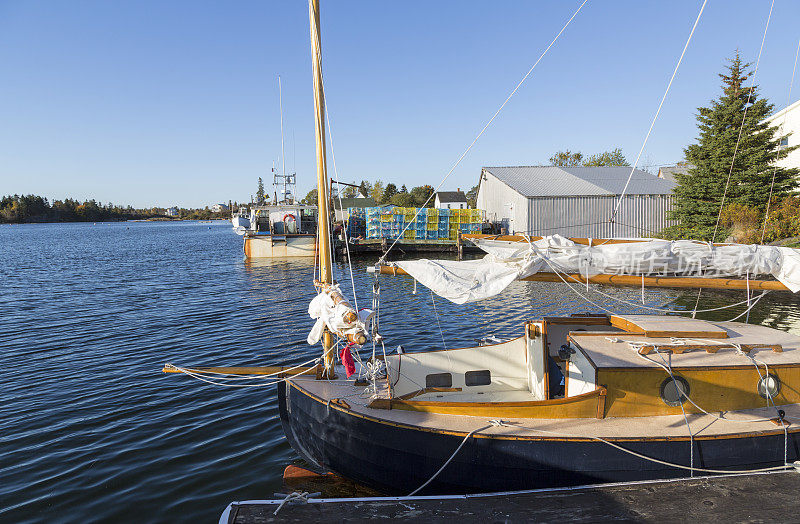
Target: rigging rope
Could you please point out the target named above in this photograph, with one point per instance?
(780, 136)
(467, 150)
(690, 468)
(203, 376)
(744, 119)
(336, 174)
(658, 111)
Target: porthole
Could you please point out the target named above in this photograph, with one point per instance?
(670, 394)
(769, 386)
(439, 380)
(478, 378)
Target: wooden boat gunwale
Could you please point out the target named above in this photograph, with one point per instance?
(292, 383)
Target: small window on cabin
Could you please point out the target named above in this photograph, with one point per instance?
(439, 380)
(674, 391)
(478, 378)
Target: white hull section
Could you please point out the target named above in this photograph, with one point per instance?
(240, 222)
(279, 246)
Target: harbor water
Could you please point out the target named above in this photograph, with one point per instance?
(91, 430)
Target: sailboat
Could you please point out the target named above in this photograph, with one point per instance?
(572, 400)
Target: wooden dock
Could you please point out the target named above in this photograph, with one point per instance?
(734, 498)
(379, 246)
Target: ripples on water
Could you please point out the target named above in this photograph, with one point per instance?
(92, 430)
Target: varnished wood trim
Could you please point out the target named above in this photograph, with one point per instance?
(423, 391)
(259, 370)
(601, 402)
(708, 348)
(340, 402)
(519, 404)
(634, 280)
(533, 438)
(581, 320)
(634, 329)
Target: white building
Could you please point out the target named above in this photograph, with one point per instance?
(219, 208)
(451, 200)
(788, 123)
(574, 201)
(172, 212)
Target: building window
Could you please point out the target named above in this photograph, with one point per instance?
(784, 141)
(448, 206)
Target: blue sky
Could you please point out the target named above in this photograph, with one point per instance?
(161, 103)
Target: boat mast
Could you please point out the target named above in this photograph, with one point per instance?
(283, 158)
(323, 233)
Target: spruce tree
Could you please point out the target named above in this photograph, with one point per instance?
(699, 194)
(260, 192)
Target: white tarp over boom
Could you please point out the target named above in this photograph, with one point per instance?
(473, 280)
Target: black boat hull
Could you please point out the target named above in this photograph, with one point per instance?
(397, 459)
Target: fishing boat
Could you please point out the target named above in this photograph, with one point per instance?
(580, 399)
(284, 228)
(241, 219)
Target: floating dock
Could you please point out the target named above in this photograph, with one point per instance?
(766, 497)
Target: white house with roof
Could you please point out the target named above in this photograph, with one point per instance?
(450, 200)
(787, 121)
(575, 201)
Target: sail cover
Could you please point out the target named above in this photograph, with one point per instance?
(505, 262)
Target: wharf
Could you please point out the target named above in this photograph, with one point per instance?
(766, 497)
(380, 245)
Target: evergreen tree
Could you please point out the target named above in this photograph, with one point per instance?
(365, 188)
(388, 193)
(260, 192)
(698, 195)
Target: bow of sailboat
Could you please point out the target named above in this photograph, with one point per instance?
(571, 400)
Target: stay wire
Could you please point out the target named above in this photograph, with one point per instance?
(658, 111)
(744, 119)
(780, 136)
(485, 127)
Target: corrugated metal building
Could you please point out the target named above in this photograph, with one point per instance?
(574, 201)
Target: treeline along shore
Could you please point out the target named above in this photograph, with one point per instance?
(20, 209)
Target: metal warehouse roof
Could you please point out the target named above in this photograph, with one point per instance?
(543, 181)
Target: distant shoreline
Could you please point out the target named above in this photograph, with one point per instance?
(113, 220)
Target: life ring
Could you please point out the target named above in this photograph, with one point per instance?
(289, 215)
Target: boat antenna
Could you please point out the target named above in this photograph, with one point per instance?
(283, 157)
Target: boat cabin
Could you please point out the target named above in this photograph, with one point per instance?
(284, 219)
(603, 366)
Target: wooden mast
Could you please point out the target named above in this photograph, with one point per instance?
(323, 228)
